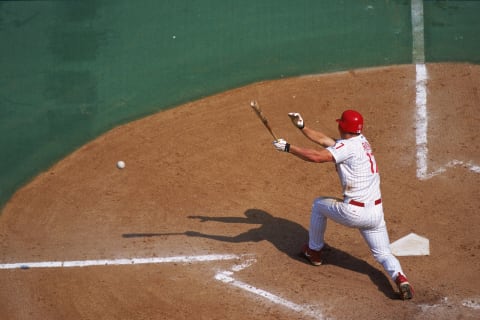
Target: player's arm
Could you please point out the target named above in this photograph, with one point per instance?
(313, 135)
(306, 154)
(312, 155)
(318, 137)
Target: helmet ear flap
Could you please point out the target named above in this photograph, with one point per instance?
(351, 122)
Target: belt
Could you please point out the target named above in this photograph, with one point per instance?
(361, 204)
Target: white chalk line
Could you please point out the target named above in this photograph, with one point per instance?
(421, 125)
(454, 163)
(418, 57)
(446, 303)
(105, 262)
(472, 303)
(227, 277)
(224, 276)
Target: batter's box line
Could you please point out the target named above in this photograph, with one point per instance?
(247, 260)
(227, 277)
(452, 164)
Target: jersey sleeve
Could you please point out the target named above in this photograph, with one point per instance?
(340, 151)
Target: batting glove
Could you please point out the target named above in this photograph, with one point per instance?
(297, 120)
(281, 145)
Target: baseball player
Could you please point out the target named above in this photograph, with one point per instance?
(361, 206)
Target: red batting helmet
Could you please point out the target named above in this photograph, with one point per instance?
(351, 121)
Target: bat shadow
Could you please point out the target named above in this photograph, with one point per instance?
(288, 237)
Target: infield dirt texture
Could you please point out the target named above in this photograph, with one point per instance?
(206, 220)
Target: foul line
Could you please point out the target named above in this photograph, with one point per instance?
(224, 276)
(421, 126)
(418, 57)
(132, 261)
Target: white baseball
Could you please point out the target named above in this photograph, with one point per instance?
(120, 164)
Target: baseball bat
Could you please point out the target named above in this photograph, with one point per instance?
(262, 117)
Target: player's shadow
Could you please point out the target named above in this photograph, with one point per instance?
(288, 237)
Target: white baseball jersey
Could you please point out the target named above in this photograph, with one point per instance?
(360, 181)
(357, 169)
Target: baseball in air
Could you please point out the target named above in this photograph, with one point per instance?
(120, 164)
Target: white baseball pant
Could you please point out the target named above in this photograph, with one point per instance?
(369, 220)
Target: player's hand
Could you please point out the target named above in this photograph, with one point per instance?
(281, 145)
(297, 120)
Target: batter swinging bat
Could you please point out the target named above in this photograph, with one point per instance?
(262, 117)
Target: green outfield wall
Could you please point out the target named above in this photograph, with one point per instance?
(72, 70)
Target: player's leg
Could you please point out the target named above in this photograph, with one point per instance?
(318, 221)
(316, 232)
(379, 244)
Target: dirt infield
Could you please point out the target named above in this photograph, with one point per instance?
(219, 216)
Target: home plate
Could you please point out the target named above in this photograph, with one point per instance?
(411, 245)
